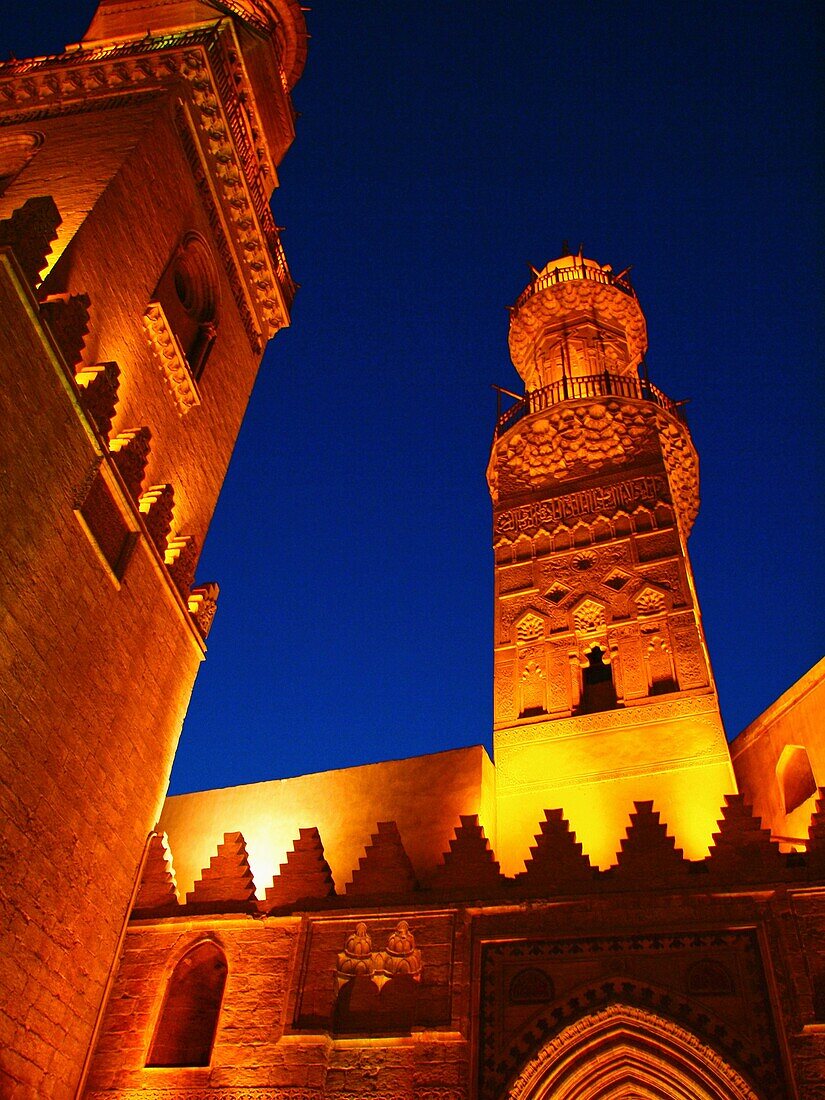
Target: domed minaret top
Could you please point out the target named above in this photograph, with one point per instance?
(576, 318)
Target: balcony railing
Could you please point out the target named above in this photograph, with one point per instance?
(571, 274)
(604, 384)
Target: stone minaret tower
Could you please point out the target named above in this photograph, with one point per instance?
(603, 688)
(147, 155)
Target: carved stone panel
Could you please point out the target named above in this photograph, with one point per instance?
(558, 679)
(689, 655)
(649, 972)
(505, 691)
(423, 961)
(634, 677)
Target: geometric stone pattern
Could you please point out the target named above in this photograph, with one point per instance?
(640, 958)
(385, 867)
(574, 440)
(648, 971)
(29, 232)
(157, 885)
(227, 881)
(305, 874)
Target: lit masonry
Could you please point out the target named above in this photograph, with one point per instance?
(351, 934)
(387, 949)
(603, 687)
(142, 276)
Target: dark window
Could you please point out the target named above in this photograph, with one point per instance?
(106, 525)
(188, 294)
(186, 1029)
(796, 777)
(819, 997)
(598, 690)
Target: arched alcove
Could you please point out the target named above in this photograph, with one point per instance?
(795, 777)
(598, 688)
(16, 151)
(186, 1028)
(622, 1051)
(188, 293)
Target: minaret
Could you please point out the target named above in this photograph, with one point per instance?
(603, 688)
(145, 156)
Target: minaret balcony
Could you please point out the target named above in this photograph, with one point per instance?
(572, 272)
(583, 388)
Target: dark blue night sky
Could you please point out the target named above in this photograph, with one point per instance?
(441, 148)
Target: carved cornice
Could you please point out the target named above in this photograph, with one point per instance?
(701, 710)
(170, 359)
(206, 60)
(220, 1093)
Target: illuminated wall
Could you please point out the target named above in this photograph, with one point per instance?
(424, 795)
(779, 758)
(128, 355)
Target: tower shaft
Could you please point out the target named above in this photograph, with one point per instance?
(603, 688)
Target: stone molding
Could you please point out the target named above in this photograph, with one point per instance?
(582, 438)
(170, 359)
(541, 1067)
(203, 58)
(701, 708)
(220, 1093)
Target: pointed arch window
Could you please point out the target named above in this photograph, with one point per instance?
(185, 1031)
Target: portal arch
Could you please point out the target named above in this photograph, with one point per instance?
(623, 1051)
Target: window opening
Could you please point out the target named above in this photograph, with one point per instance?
(598, 689)
(185, 1032)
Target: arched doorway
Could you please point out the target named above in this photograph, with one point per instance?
(626, 1053)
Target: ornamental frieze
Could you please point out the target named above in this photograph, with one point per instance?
(576, 441)
(601, 500)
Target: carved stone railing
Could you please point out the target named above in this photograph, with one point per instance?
(574, 273)
(603, 384)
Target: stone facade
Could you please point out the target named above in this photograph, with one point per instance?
(598, 915)
(130, 186)
(480, 985)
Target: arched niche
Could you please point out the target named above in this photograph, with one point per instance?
(622, 1051)
(189, 293)
(185, 1031)
(17, 150)
(795, 776)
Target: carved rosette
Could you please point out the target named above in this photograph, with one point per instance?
(169, 357)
